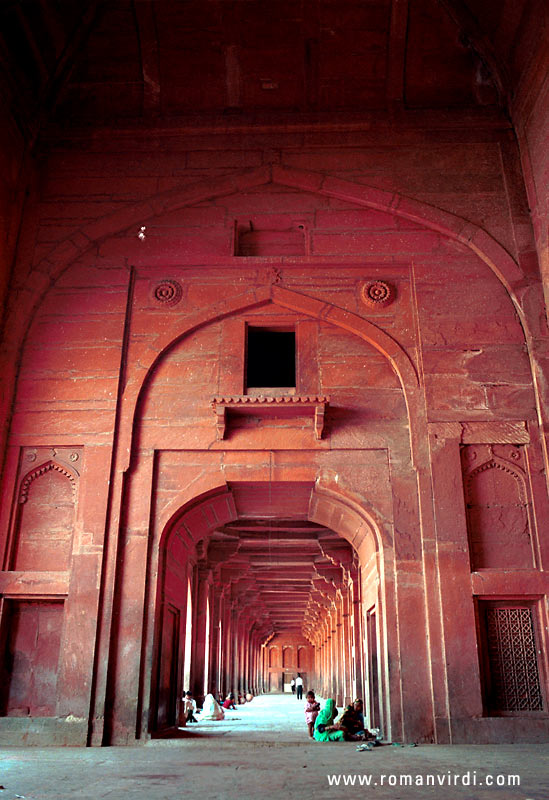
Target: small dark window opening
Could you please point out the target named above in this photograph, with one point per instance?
(270, 358)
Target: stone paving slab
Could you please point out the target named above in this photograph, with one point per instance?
(262, 751)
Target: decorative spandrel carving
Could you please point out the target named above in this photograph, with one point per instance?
(497, 507)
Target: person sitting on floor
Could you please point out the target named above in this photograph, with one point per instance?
(189, 707)
(351, 721)
(229, 701)
(359, 708)
(325, 730)
(211, 709)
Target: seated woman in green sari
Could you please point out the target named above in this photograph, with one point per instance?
(325, 731)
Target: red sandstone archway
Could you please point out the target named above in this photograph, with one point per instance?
(136, 484)
(126, 487)
(191, 546)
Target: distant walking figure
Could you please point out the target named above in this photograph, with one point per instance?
(299, 686)
(292, 684)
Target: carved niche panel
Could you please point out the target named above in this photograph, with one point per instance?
(497, 507)
(274, 657)
(45, 517)
(288, 657)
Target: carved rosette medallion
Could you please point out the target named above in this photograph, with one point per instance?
(377, 294)
(168, 292)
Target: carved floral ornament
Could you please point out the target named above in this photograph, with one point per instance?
(377, 294)
(38, 472)
(168, 292)
(478, 456)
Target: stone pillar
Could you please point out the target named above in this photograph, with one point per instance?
(247, 661)
(233, 652)
(335, 653)
(456, 600)
(242, 641)
(198, 661)
(225, 646)
(330, 647)
(340, 659)
(347, 646)
(356, 637)
(128, 603)
(327, 659)
(324, 659)
(253, 652)
(258, 659)
(237, 683)
(264, 665)
(317, 665)
(215, 665)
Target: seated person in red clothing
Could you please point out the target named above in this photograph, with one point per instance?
(229, 701)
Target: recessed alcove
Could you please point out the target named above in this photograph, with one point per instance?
(274, 237)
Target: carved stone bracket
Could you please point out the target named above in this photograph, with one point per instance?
(268, 405)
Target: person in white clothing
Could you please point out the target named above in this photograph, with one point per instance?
(211, 709)
(299, 686)
(189, 704)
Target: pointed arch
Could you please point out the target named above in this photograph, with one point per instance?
(21, 309)
(286, 298)
(451, 225)
(195, 517)
(92, 233)
(43, 525)
(37, 472)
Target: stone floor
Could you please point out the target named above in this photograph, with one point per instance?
(262, 751)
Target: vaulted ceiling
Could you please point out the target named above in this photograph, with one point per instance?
(285, 567)
(96, 61)
(283, 564)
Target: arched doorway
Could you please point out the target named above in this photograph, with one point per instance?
(195, 486)
(280, 583)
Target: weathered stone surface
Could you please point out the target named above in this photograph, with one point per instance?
(272, 167)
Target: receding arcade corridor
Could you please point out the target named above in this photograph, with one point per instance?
(271, 592)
